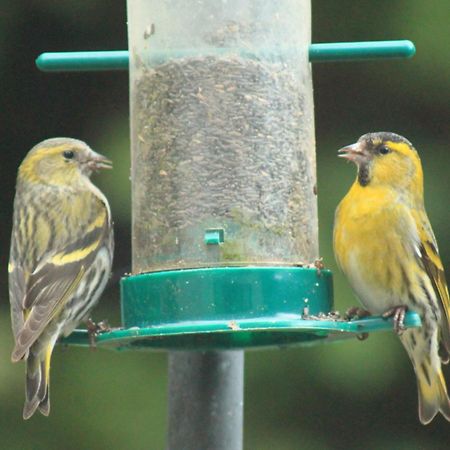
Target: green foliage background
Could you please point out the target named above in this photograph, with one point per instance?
(349, 395)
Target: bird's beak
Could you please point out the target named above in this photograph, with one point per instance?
(97, 162)
(354, 153)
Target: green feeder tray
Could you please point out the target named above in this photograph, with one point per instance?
(230, 308)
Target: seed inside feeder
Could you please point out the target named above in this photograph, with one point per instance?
(227, 143)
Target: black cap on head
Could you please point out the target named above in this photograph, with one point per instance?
(383, 136)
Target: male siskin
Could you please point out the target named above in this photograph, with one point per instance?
(384, 244)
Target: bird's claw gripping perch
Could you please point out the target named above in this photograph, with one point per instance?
(94, 329)
(398, 316)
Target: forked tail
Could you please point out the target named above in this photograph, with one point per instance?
(37, 383)
(422, 348)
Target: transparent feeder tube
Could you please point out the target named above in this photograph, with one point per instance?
(222, 133)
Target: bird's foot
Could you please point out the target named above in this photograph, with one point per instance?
(398, 316)
(94, 329)
(355, 312)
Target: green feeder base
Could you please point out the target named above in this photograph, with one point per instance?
(230, 308)
(239, 334)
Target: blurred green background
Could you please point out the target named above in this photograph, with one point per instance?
(349, 395)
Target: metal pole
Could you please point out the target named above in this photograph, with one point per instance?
(206, 400)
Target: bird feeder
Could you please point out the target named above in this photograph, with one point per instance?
(225, 249)
(224, 204)
(223, 168)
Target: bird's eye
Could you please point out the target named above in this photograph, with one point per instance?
(383, 150)
(68, 154)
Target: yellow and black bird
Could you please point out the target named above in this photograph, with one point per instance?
(61, 254)
(384, 244)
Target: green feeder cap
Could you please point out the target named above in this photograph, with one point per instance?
(224, 307)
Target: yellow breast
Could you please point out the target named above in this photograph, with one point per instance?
(373, 229)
